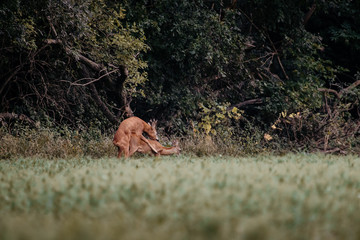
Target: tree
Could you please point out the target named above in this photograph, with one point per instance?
(69, 62)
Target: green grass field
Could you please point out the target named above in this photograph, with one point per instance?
(296, 196)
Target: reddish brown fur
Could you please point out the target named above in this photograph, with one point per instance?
(132, 126)
(138, 145)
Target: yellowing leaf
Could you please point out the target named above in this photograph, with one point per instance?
(267, 137)
(207, 127)
(220, 115)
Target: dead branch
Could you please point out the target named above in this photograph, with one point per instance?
(267, 56)
(328, 110)
(53, 41)
(327, 90)
(271, 42)
(309, 14)
(102, 105)
(126, 102)
(277, 56)
(99, 68)
(334, 150)
(17, 69)
(247, 102)
(93, 65)
(250, 20)
(51, 25)
(89, 78)
(98, 101)
(354, 85)
(342, 92)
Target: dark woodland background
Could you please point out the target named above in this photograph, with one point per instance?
(282, 73)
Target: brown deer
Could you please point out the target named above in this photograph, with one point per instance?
(133, 127)
(138, 145)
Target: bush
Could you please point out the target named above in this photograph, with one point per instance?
(54, 143)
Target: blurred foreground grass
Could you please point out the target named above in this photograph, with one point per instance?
(296, 196)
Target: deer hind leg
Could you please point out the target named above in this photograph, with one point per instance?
(126, 150)
(119, 152)
(123, 151)
(133, 149)
(123, 148)
(120, 149)
(148, 143)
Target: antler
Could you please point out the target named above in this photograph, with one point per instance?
(153, 123)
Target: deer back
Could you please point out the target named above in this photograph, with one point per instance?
(134, 125)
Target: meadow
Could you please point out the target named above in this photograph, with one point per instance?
(295, 196)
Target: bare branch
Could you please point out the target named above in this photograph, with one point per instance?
(88, 78)
(52, 25)
(17, 69)
(354, 85)
(277, 56)
(343, 91)
(309, 13)
(247, 102)
(330, 91)
(53, 41)
(102, 105)
(334, 150)
(93, 65)
(99, 102)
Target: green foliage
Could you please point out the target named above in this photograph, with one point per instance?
(217, 117)
(307, 72)
(46, 79)
(194, 55)
(114, 42)
(205, 52)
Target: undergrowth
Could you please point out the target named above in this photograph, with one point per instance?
(53, 143)
(64, 143)
(50, 143)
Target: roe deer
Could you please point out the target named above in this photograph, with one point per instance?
(138, 145)
(133, 126)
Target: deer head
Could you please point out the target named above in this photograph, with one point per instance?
(176, 146)
(153, 135)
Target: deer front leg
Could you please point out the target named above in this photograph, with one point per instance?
(151, 146)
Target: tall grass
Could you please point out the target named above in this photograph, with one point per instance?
(55, 143)
(297, 196)
(64, 143)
